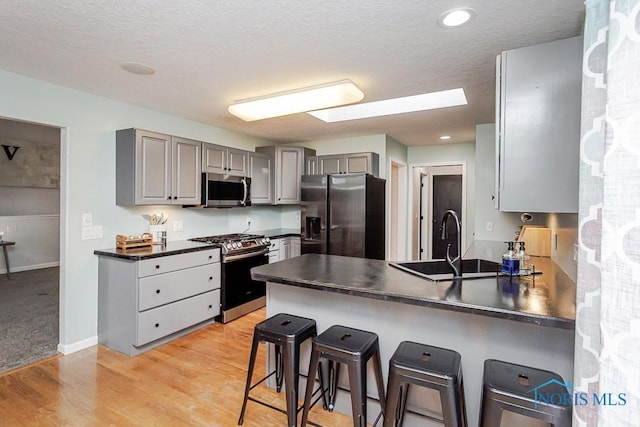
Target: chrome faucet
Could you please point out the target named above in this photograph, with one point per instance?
(455, 263)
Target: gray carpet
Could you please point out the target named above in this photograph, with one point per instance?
(29, 306)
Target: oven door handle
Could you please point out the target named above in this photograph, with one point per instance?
(244, 195)
(232, 258)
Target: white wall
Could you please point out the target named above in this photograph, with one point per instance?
(37, 241)
(447, 153)
(88, 185)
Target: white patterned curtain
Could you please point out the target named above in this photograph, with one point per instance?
(607, 352)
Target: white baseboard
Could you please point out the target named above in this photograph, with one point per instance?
(30, 267)
(77, 346)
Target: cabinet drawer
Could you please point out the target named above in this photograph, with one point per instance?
(159, 322)
(161, 289)
(168, 263)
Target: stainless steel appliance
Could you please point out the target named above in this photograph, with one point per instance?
(343, 214)
(225, 191)
(239, 293)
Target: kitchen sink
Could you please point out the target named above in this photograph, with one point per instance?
(439, 270)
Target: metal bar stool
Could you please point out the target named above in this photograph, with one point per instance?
(523, 390)
(426, 366)
(286, 332)
(354, 348)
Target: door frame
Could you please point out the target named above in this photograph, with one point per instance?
(397, 224)
(414, 201)
(428, 214)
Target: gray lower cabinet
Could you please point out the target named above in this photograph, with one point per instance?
(289, 162)
(343, 163)
(224, 160)
(142, 304)
(156, 169)
(284, 248)
(261, 172)
(538, 127)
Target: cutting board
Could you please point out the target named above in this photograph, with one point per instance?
(537, 240)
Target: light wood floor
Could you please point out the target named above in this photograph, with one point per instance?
(197, 380)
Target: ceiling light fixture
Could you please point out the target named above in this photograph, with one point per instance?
(137, 68)
(445, 137)
(407, 104)
(455, 17)
(297, 101)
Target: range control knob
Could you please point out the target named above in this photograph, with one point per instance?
(267, 240)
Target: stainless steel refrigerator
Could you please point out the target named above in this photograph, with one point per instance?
(343, 214)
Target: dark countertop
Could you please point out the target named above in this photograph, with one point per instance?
(155, 251)
(547, 299)
(276, 233)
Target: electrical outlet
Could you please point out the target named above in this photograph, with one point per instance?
(489, 226)
(87, 219)
(178, 225)
(297, 219)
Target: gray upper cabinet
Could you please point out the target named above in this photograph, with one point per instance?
(224, 160)
(343, 163)
(261, 172)
(289, 168)
(538, 127)
(156, 169)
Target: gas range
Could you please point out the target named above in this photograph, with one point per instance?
(239, 293)
(237, 243)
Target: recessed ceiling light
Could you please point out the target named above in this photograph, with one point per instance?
(407, 104)
(137, 68)
(455, 17)
(445, 137)
(297, 101)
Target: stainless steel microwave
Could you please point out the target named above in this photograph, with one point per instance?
(224, 191)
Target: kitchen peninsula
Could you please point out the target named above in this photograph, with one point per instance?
(529, 321)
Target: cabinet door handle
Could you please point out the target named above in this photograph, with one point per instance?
(169, 198)
(210, 277)
(175, 197)
(157, 325)
(157, 266)
(210, 306)
(157, 291)
(210, 256)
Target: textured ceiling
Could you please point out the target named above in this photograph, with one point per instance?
(208, 54)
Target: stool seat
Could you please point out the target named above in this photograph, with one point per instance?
(286, 327)
(426, 366)
(286, 332)
(346, 342)
(511, 387)
(352, 347)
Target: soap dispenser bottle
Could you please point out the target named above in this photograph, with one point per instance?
(524, 259)
(510, 261)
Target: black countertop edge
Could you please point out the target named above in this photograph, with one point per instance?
(155, 251)
(276, 233)
(541, 320)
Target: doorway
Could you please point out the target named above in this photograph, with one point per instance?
(30, 296)
(437, 188)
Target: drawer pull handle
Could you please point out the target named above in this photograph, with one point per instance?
(210, 277)
(157, 291)
(157, 266)
(210, 306)
(157, 325)
(210, 256)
